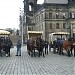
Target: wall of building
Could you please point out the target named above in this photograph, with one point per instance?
(53, 17)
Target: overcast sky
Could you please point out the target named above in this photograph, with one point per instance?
(9, 13)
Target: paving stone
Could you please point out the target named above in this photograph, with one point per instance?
(52, 64)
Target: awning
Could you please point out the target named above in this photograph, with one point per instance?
(61, 33)
(2, 32)
(35, 32)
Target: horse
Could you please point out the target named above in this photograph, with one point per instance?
(67, 45)
(30, 46)
(40, 46)
(35, 44)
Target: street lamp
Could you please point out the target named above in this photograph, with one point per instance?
(22, 23)
(22, 30)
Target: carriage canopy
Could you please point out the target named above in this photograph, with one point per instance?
(61, 33)
(4, 32)
(34, 34)
(54, 35)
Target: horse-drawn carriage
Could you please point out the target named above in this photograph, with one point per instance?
(34, 43)
(61, 44)
(5, 42)
(67, 45)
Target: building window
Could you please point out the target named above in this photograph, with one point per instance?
(64, 25)
(50, 15)
(70, 15)
(73, 16)
(50, 25)
(42, 26)
(32, 28)
(64, 15)
(57, 26)
(30, 9)
(29, 28)
(37, 19)
(41, 16)
(57, 15)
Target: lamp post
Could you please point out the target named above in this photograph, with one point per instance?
(22, 26)
(22, 31)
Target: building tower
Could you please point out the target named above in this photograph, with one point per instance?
(28, 13)
(33, 4)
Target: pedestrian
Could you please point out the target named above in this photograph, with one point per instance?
(18, 45)
(8, 44)
(46, 46)
(50, 46)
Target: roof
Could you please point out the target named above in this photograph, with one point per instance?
(4, 32)
(35, 32)
(59, 33)
(56, 1)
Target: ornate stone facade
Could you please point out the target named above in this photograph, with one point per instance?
(52, 17)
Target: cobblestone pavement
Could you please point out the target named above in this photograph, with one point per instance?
(52, 64)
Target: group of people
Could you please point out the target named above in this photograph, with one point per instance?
(5, 45)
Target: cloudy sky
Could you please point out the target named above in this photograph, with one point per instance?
(9, 13)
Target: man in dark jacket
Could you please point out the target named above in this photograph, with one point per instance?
(46, 46)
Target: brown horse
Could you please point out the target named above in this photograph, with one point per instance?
(67, 45)
(30, 46)
(40, 46)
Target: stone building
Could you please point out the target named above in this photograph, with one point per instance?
(50, 17)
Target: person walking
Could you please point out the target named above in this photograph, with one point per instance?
(46, 46)
(18, 45)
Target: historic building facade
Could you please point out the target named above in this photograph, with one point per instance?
(51, 16)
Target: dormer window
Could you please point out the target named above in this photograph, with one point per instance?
(57, 15)
(64, 15)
